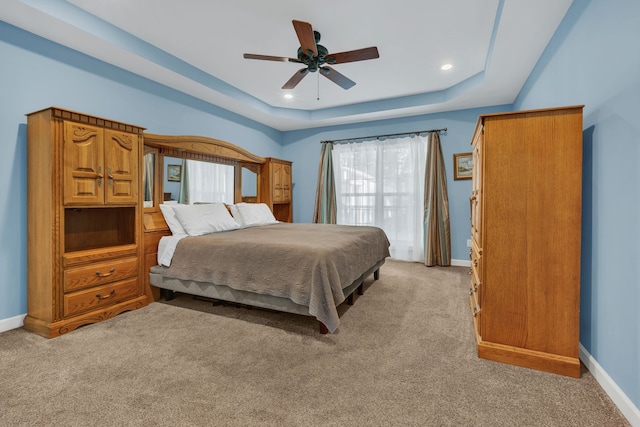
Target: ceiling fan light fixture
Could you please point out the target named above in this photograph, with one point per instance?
(288, 96)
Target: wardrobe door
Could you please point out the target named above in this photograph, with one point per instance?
(83, 164)
(121, 160)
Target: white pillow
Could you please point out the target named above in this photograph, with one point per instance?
(256, 213)
(235, 213)
(203, 219)
(170, 217)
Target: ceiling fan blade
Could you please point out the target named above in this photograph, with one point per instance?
(271, 58)
(296, 78)
(306, 37)
(353, 55)
(339, 79)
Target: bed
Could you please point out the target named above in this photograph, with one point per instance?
(307, 269)
(249, 252)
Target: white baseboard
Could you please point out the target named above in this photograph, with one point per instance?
(461, 263)
(12, 323)
(626, 406)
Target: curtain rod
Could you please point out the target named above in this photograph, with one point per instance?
(387, 135)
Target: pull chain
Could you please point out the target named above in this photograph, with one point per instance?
(318, 99)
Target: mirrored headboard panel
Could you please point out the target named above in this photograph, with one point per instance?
(149, 179)
(198, 148)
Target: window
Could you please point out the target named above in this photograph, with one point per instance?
(382, 184)
(209, 182)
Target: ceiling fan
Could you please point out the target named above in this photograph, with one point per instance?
(315, 57)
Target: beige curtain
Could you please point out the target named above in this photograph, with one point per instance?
(437, 236)
(325, 208)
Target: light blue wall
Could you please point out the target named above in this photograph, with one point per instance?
(594, 59)
(35, 74)
(303, 148)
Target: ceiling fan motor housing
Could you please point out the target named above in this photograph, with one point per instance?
(313, 62)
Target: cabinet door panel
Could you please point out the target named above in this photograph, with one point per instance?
(84, 160)
(121, 160)
(286, 183)
(277, 183)
(476, 193)
(281, 183)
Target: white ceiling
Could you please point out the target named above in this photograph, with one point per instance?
(196, 47)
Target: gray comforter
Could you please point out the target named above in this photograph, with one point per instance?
(309, 264)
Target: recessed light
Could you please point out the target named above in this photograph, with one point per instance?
(446, 67)
(288, 96)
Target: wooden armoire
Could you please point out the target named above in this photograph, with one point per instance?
(525, 223)
(84, 227)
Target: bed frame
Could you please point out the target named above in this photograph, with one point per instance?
(225, 293)
(155, 227)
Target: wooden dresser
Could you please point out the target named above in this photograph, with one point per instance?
(525, 226)
(84, 226)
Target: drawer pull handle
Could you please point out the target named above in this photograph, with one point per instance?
(112, 293)
(101, 274)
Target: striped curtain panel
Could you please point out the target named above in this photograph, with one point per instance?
(437, 237)
(325, 208)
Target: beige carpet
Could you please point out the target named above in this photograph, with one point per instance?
(404, 355)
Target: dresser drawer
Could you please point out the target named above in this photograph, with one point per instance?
(99, 273)
(476, 259)
(100, 296)
(475, 289)
(475, 316)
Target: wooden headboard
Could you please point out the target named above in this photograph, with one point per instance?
(203, 149)
(200, 147)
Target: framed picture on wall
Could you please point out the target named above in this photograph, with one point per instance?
(174, 172)
(462, 165)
